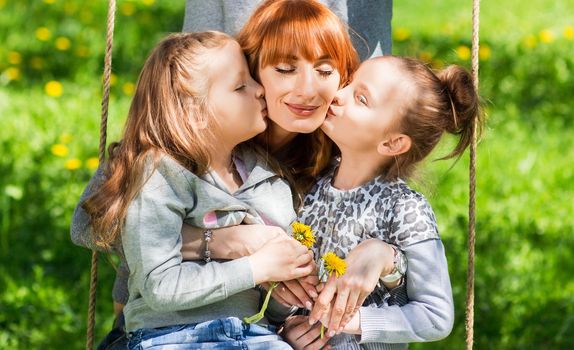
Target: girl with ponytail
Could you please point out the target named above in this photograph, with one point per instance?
(388, 119)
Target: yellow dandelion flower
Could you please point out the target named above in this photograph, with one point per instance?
(73, 164)
(401, 34)
(484, 52)
(425, 56)
(546, 36)
(92, 163)
(82, 51)
(530, 41)
(128, 88)
(53, 88)
(65, 138)
(62, 43)
(12, 73)
(37, 63)
(148, 2)
(334, 264)
(49, 2)
(569, 32)
(303, 233)
(113, 79)
(14, 57)
(128, 9)
(463, 52)
(59, 150)
(43, 34)
(2, 3)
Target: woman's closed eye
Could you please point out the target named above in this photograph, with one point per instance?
(362, 99)
(284, 69)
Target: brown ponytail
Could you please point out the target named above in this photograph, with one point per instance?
(443, 102)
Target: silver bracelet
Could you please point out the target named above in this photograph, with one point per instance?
(207, 238)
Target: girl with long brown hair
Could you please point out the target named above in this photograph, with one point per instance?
(183, 158)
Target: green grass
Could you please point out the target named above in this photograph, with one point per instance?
(525, 227)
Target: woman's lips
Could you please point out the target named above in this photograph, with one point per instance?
(301, 110)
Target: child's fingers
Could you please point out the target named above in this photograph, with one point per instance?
(284, 296)
(301, 293)
(323, 302)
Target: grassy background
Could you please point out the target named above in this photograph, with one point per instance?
(50, 67)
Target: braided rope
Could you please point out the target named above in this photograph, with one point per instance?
(469, 324)
(102, 157)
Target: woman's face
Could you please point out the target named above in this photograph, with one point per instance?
(298, 92)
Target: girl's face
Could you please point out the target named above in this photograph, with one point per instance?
(366, 111)
(235, 99)
(298, 92)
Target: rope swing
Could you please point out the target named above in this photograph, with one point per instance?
(469, 321)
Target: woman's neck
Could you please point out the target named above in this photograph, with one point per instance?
(277, 137)
(356, 169)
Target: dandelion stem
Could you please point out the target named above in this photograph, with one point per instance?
(258, 316)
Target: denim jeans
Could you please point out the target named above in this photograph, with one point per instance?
(223, 333)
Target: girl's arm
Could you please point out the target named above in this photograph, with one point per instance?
(152, 244)
(429, 314)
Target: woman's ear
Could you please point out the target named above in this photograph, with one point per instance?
(393, 146)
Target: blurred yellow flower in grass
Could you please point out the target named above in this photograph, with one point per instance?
(59, 150)
(425, 56)
(484, 52)
(92, 163)
(62, 43)
(546, 36)
(148, 2)
(334, 264)
(14, 57)
(82, 51)
(73, 164)
(401, 34)
(49, 2)
(569, 32)
(113, 79)
(303, 233)
(530, 41)
(128, 8)
(54, 88)
(2, 3)
(128, 88)
(37, 63)
(43, 34)
(463, 52)
(12, 73)
(66, 138)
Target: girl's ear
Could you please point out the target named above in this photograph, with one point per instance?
(393, 146)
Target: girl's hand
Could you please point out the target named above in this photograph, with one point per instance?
(366, 263)
(301, 335)
(300, 292)
(281, 259)
(231, 242)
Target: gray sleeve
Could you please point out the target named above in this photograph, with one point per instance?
(226, 16)
(429, 314)
(152, 245)
(80, 228)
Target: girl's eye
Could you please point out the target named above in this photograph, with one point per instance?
(240, 87)
(362, 99)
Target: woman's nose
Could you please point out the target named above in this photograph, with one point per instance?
(305, 83)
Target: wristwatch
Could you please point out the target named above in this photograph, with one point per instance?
(400, 268)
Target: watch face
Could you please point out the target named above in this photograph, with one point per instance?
(402, 263)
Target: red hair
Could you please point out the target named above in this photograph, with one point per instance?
(279, 29)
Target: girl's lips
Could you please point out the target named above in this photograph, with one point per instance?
(301, 110)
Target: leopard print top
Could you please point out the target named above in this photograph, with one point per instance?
(388, 210)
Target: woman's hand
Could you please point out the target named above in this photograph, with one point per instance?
(301, 335)
(231, 242)
(281, 259)
(366, 263)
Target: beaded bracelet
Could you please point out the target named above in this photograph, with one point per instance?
(207, 238)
